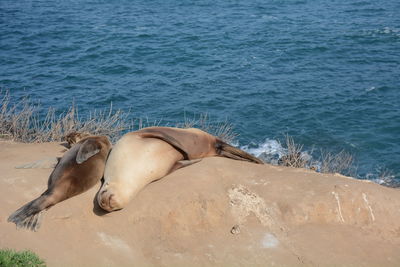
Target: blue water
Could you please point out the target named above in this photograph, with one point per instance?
(325, 72)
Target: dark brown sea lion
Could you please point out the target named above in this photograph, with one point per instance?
(79, 169)
(149, 154)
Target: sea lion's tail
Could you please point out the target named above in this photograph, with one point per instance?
(225, 150)
(29, 215)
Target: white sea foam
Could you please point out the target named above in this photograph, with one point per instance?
(383, 176)
(270, 146)
(269, 151)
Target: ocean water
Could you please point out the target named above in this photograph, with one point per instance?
(325, 72)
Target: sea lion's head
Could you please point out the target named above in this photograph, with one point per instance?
(110, 198)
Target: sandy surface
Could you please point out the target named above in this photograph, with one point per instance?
(217, 212)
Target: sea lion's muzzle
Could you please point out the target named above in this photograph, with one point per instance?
(108, 201)
(102, 200)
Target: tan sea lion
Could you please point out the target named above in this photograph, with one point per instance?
(149, 154)
(79, 169)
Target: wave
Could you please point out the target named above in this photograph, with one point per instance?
(271, 151)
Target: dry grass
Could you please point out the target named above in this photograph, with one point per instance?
(15, 120)
(146, 122)
(294, 157)
(342, 162)
(21, 122)
(222, 130)
(99, 122)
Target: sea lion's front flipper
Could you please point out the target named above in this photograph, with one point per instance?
(160, 134)
(88, 149)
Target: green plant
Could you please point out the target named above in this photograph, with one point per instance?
(11, 258)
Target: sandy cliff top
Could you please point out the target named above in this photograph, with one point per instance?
(216, 212)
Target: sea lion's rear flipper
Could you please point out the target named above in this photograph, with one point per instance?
(225, 150)
(159, 134)
(182, 164)
(88, 149)
(29, 215)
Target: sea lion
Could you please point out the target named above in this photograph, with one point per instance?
(149, 154)
(79, 169)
